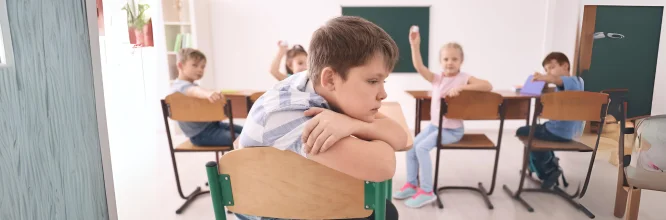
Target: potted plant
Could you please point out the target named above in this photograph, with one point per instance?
(136, 19)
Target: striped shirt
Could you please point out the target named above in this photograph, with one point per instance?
(276, 118)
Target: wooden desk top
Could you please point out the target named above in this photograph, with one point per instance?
(394, 111)
(425, 94)
(243, 92)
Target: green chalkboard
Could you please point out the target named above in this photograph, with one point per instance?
(396, 21)
(625, 54)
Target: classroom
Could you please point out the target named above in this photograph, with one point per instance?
(335, 109)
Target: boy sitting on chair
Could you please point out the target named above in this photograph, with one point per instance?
(544, 163)
(191, 64)
(329, 113)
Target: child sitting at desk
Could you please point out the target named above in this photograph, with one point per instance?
(191, 64)
(447, 84)
(544, 163)
(296, 61)
(329, 114)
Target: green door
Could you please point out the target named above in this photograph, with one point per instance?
(624, 53)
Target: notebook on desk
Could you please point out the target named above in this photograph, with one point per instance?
(533, 87)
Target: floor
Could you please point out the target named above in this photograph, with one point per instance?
(145, 187)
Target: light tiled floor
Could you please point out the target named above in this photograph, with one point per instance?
(145, 187)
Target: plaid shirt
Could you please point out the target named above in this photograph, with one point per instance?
(276, 118)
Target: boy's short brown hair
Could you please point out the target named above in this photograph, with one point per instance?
(560, 57)
(346, 42)
(186, 54)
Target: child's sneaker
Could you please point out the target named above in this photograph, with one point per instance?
(551, 179)
(420, 199)
(408, 190)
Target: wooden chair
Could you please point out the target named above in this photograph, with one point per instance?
(618, 109)
(253, 98)
(639, 179)
(472, 105)
(267, 182)
(182, 108)
(571, 106)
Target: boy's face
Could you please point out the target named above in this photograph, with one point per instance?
(361, 95)
(192, 69)
(556, 69)
(299, 63)
(451, 60)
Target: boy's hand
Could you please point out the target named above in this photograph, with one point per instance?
(542, 77)
(325, 129)
(414, 38)
(455, 91)
(215, 97)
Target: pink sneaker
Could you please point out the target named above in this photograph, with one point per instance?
(408, 190)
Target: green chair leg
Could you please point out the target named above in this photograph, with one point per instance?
(380, 200)
(216, 190)
(389, 189)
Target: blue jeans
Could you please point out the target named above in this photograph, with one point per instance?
(542, 162)
(418, 158)
(216, 134)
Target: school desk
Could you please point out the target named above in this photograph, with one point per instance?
(518, 106)
(394, 111)
(241, 101)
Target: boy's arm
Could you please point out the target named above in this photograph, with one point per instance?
(364, 160)
(557, 80)
(275, 65)
(328, 127)
(384, 129)
(199, 92)
(415, 43)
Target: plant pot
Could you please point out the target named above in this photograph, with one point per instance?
(140, 39)
(132, 35)
(148, 34)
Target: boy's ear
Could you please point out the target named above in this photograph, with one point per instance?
(327, 78)
(179, 65)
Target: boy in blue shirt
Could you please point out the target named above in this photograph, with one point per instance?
(191, 64)
(545, 163)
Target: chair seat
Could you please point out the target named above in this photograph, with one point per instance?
(471, 141)
(187, 146)
(556, 146)
(644, 179)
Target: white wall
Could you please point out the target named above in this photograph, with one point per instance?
(567, 19)
(503, 40)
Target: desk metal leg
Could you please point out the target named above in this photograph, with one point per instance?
(417, 119)
(529, 112)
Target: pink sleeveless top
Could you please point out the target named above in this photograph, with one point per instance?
(440, 86)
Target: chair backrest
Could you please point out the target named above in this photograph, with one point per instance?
(184, 108)
(617, 105)
(474, 105)
(282, 184)
(574, 106)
